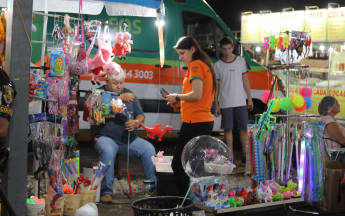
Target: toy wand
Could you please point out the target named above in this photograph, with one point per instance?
(129, 142)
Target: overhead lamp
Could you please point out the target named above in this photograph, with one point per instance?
(311, 7)
(332, 5)
(258, 49)
(246, 13)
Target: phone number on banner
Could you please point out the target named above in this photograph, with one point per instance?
(139, 74)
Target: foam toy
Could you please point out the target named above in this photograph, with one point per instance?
(309, 102)
(156, 131)
(306, 92)
(287, 194)
(265, 120)
(242, 192)
(285, 104)
(301, 109)
(298, 101)
(276, 106)
(38, 201)
(265, 97)
(296, 194)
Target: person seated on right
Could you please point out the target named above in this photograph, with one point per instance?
(328, 109)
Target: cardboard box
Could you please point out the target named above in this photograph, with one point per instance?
(315, 63)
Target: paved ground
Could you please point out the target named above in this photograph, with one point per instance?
(121, 200)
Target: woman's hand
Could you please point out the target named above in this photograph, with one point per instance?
(131, 125)
(127, 97)
(171, 98)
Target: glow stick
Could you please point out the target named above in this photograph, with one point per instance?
(72, 173)
(161, 45)
(283, 154)
(302, 163)
(297, 148)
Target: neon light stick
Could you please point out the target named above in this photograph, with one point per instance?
(282, 154)
(161, 45)
(75, 169)
(296, 148)
(302, 163)
(72, 173)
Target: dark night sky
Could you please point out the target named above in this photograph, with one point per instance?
(230, 10)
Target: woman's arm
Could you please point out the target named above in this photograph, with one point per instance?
(334, 129)
(194, 95)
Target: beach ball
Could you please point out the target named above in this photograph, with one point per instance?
(265, 95)
(298, 101)
(285, 104)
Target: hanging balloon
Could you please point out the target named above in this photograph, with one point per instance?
(309, 102)
(285, 104)
(266, 96)
(276, 106)
(301, 109)
(297, 101)
(306, 92)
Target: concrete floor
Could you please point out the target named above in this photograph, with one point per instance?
(121, 204)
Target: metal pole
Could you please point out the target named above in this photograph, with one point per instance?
(287, 112)
(17, 63)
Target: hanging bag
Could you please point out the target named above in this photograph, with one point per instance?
(79, 64)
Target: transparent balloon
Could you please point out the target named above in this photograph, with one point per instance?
(206, 156)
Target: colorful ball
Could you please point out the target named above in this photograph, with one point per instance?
(309, 102)
(285, 104)
(301, 109)
(306, 92)
(276, 106)
(265, 95)
(298, 101)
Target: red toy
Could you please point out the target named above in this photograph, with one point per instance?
(54, 173)
(156, 131)
(241, 193)
(32, 87)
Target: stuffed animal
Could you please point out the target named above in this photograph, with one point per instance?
(160, 157)
(110, 68)
(127, 43)
(119, 48)
(266, 195)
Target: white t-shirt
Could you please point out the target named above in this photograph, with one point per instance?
(231, 90)
(328, 120)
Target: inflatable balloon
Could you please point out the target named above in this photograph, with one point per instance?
(206, 156)
(265, 95)
(285, 104)
(298, 101)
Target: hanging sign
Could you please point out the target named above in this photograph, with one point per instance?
(316, 24)
(293, 20)
(250, 28)
(336, 24)
(269, 23)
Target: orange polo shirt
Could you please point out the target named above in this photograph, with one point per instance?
(198, 111)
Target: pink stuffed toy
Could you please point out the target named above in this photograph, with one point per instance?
(110, 68)
(119, 48)
(160, 157)
(127, 43)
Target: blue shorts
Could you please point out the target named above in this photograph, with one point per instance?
(239, 113)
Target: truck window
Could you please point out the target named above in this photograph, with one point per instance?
(220, 33)
(200, 27)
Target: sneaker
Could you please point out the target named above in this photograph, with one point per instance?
(106, 198)
(243, 159)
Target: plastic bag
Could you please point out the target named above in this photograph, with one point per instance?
(89, 209)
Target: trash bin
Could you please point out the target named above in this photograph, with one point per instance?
(159, 206)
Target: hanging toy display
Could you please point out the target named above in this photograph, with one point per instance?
(55, 182)
(265, 120)
(53, 94)
(42, 88)
(157, 131)
(119, 47)
(72, 113)
(57, 33)
(286, 104)
(32, 87)
(127, 43)
(90, 29)
(57, 63)
(67, 28)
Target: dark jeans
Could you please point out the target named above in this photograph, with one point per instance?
(188, 131)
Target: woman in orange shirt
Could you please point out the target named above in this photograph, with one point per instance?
(196, 99)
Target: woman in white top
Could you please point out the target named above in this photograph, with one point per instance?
(328, 109)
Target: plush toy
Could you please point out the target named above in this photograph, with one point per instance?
(110, 68)
(160, 157)
(119, 47)
(127, 43)
(266, 195)
(32, 87)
